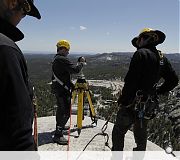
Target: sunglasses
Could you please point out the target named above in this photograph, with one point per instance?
(26, 7)
(146, 36)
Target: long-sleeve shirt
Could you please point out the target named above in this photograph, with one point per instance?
(63, 68)
(146, 69)
(16, 112)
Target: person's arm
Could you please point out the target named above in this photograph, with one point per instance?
(72, 68)
(170, 78)
(18, 106)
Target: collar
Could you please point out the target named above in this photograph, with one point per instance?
(151, 47)
(10, 31)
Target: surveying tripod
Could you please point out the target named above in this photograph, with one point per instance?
(81, 90)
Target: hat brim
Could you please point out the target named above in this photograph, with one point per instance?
(134, 42)
(161, 38)
(34, 11)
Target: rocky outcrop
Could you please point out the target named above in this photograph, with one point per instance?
(166, 126)
(46, 126)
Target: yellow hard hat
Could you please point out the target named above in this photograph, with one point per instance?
(63, 43)
(144, 30)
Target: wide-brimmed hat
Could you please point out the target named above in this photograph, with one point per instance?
(34, 11)
(160, 34)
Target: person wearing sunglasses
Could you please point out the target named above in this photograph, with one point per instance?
(148, 65)
(16, 113)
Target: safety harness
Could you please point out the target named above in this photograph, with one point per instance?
(56, 79)
(147, 103)
(146, 109)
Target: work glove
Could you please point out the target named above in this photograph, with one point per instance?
(82, 60)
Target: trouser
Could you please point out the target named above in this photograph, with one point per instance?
(125, 118)
(63, 112)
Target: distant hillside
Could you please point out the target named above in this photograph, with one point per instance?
(99, 66)
(173, 57)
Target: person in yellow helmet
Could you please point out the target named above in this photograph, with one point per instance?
(138, 102)
(62, 68)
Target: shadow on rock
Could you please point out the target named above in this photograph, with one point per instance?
(45, 138)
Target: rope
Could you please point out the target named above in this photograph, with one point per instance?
(69, 130)
(102, 133)
(34, 102)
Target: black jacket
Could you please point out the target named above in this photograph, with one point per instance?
(63, 68)
(15, 103)
(146, 69)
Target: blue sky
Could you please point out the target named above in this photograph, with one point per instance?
(99, 25)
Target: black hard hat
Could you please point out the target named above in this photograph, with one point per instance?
(160, 34)
(34, 11)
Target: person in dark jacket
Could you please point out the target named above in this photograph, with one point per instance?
(62, 86)
(146, 68)
(15, 92)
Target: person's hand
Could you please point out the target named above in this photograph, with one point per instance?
(82, 60)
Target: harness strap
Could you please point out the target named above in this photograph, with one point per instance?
(56, 79)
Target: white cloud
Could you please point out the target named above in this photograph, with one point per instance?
(82, 28)
(107, 33)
